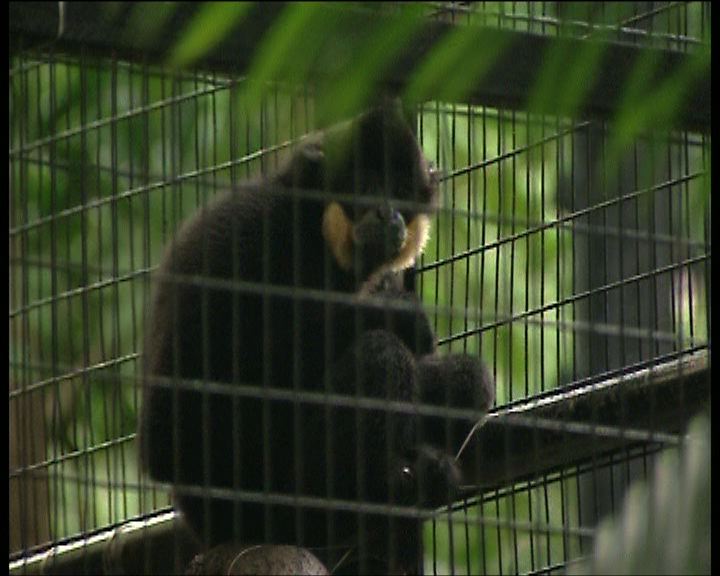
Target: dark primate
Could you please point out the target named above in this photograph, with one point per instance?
(295, 285)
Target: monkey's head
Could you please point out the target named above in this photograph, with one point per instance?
(381, 191)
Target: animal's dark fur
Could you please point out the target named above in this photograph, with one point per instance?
(239, 310)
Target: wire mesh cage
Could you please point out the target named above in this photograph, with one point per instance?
(569, 255)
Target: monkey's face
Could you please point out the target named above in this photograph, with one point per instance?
(379, 239)
(384, 193)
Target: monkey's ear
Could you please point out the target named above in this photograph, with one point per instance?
(313, 151)
(306, 166)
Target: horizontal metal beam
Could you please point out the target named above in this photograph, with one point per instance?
(101, 31)
(159, 544)
(572, 426)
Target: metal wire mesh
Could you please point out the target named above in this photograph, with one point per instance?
(566, 266)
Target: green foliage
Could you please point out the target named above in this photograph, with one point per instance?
(664, 525)
(211, 24)
(437, 73)
(578, 70)
(310, 35)
(649, 107)
(374, 52)
(288, 49)
(147, 22)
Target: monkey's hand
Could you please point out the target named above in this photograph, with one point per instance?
(455, 381)
(401, 313)
(427, 477)
(458, 381)
(378, 238)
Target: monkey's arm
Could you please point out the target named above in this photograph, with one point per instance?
(397, 312)
(453, 381)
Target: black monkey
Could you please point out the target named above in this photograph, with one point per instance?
(294, 285)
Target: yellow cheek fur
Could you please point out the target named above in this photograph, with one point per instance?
(418, 232)
(337, 231)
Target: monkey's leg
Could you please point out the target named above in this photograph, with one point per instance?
(455, 381)
(458, 381)
(371, 444)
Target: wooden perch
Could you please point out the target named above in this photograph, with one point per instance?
(569, 426)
